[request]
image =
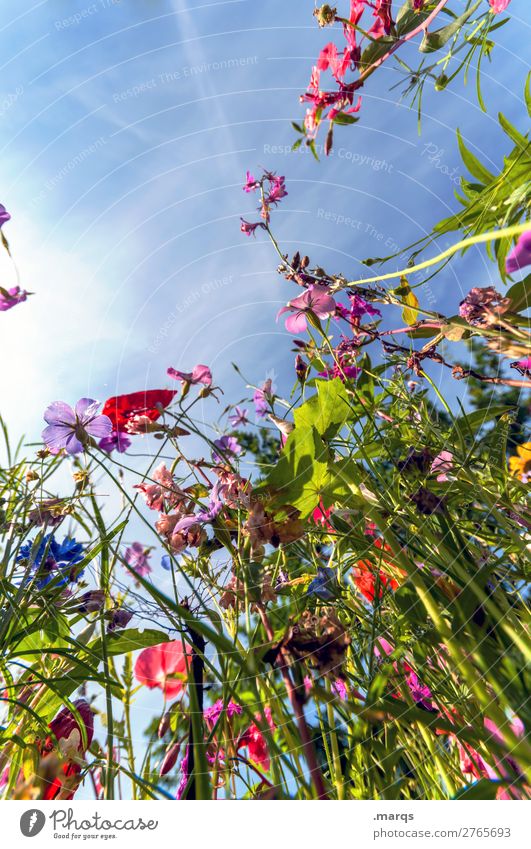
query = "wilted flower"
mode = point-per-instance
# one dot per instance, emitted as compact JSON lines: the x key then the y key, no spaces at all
{"x":70,"y":429}
{"x":163,"y":491}
{"x":483,"y":306}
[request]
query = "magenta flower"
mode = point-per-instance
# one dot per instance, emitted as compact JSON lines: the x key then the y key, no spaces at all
{"x":315,"y":299}
{"x":239,"y":417}
{"x":9,"y":298}
{"x":227,"y":444}
{"x":4,"y":215}
{"x":117,"y":441}
{"x":520,"y":256}
{"x":262,"y":397}
{"x":70,"y":429}
{"x":523,"y":366}
{"x":137,"y":557}
{"x":277,"y":190}
{"x":359,"y":306}
{"x":250,"y":183}
{"x":341,"y":371}
{"x":213,"y":713}
{"x":340,"y":689}
{"x":199,"y":374}
{"x":249,"y":227}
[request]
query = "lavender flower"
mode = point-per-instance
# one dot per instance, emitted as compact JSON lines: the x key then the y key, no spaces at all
{"x":70,"y":429}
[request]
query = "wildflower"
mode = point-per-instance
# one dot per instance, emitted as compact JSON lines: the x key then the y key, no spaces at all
{"x":277,"y":190}
{"x":483,"y":306}
{"x":4,"y":215}
{"x":301,"y":369}
{"x":178,"y":540}
{"x":53,"y":561}
{"x":117,"y":441}
{"x":262,"y":398}
{"x":151,"y":403}
{"x":321,"y":514}
{"x":338,"y":63}
{"x":315,"y":299}
{"x":185,"y":774}
{"x":342,"y":370}
{"x":359,"y":306}
{"x":498,"y":6}
{"x":9,"y":298}
{"x":228,"y":445}
{"x":163,"y":666}
{"x":250,"y":183}
{"x":325,"y":15}
{"x":340,"y":689}
{"x":239,"y":417}
{"x":70,"y":429}
{"x":118,"y":618}
{"x":137,"y":557}
{"x":249,"y":227}
{"x":520,"y":465}
{"x":201,"y":518}
{"x":366,"y":576}
{"x":427,"y":502}
{"x":523,"y":366}
{"x":322,"y":641}
{"x":213,"y":713}
{"x":325,"y":585}
{"x":199,"y":374}
{"x":61,"y":779}
{"x":442,"y":463}
{"x":255,"y":742}
{"x":163,"y":491}
{"x":90,"y":602}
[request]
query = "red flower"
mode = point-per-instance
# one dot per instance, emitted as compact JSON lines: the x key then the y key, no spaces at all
{"x":151,"y":402}
{"x":366,"y":573}
{"x":163,"y":666}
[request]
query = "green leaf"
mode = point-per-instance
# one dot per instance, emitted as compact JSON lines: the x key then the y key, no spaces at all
{"x":472,"y":163}
{"x":410,"y":313}
{"x":125,"y":641}
{"x":435,"y":40}
{"x":470,"y":424}
{"x":343,"y":118}
{"x":520,"y":294}
{"x":327,"y":410}
{"x":482,"y":789}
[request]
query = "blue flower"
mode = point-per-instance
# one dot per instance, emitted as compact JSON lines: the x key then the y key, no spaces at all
{"x":53,"y":561}
{"x":325,"y":585}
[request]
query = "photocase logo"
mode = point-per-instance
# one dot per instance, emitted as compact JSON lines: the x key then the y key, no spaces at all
{"x":32,"y":822}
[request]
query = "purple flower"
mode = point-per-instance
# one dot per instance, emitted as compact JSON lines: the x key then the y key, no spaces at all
{"x":239,"y":417}
{"x":117,"y":441}
{"x":119,"y":618}
{"x":4,"y":215}
{"x":9,"y":298}
{"x":227,"y":444}
{"x":249,"y":228}
{"x":201,"y":518}
{"x":137,"y":556}
{"x":340,"y":688}
{"x":520,"y":256}
{"x":213,"y":713}
{"x":262,"y":397}
{"x":70,"y":429}
{"x":199,"y":374}
{"x":421,"y":694}
{"x":341,"y":371}
{"x":315,"y":299}
{"x":165,"y":562}
{"x":277,"y":190}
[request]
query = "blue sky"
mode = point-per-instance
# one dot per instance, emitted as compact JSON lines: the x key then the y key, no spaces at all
{"x":127,"y":127}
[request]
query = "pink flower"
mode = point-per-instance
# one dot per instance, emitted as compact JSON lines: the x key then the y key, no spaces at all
{"x":315,"y":299}
{"x":239,"y":417}
{"x":163,"y":666}
{"x":137,"y":556}
{"x":249,"y":228}
{"x":4,"y":215}
{"x":9,"y":298}
{"x":277,"y":190}
{"x":337,"y":62}
{"x":498,"y":6}
{"x":199,"y":374}
{"x":520,"y":256}
{"x":442,"y":463}
{"x":523,"y":366}
{"x":213,"y":713}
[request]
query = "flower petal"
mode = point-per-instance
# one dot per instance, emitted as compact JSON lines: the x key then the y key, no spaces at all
{"x":58,"y":413}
